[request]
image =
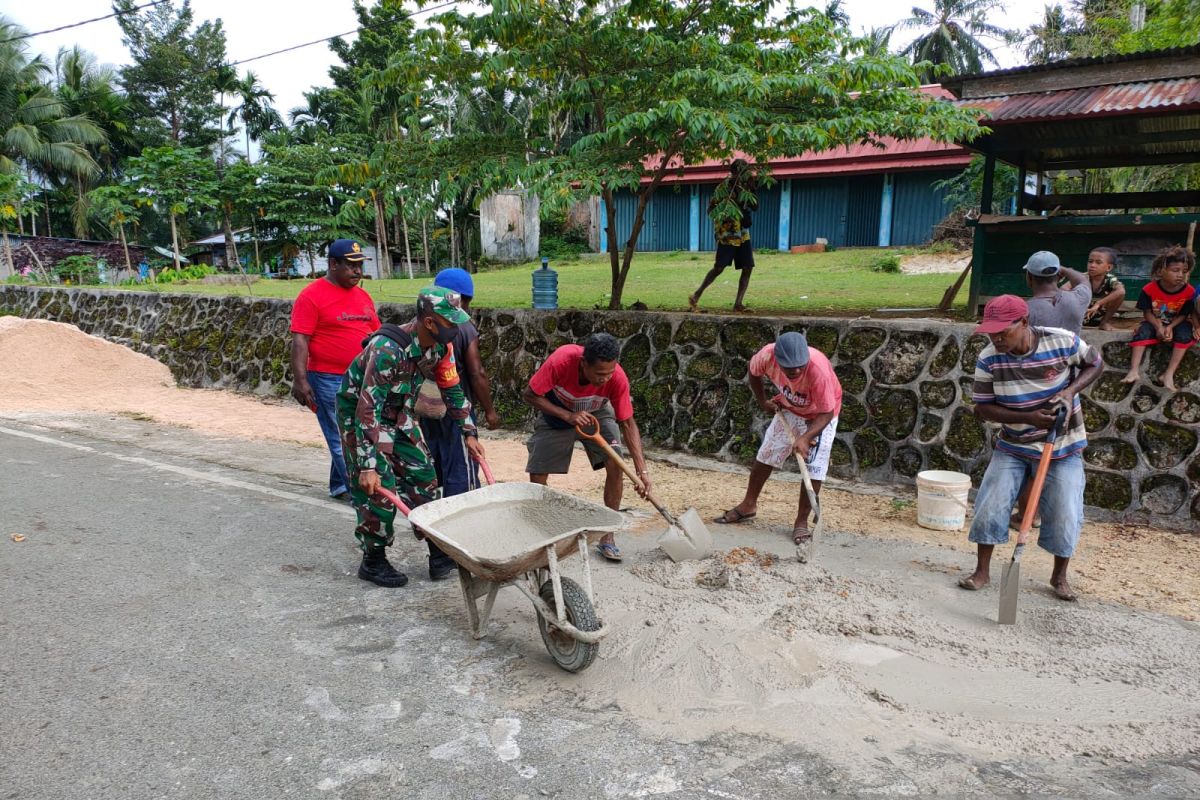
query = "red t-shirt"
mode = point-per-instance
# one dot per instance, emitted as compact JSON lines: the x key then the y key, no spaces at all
{"x":816,"y":391}
{"x":337,"y":320}
{"x":558,"y":381}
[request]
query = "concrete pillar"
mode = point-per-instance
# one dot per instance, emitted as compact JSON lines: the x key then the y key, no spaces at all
{"x":785,"y":215}
{"x":885,"y":212}
{"x":694,"y":219}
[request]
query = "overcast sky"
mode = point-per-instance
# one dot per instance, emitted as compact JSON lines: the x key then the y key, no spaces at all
{"x":254,"y":27}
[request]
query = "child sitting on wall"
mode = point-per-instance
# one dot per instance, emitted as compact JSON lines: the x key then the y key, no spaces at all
{"x":1107,"y":292}
{"x":1168,"y":305}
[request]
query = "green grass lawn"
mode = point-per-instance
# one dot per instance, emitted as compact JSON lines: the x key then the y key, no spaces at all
{"x":836,"y":283}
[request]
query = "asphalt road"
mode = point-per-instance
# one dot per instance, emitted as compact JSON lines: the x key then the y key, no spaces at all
{"x":182,"y":620}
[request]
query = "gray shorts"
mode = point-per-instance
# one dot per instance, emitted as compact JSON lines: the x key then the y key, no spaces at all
{"x":550,"y":448}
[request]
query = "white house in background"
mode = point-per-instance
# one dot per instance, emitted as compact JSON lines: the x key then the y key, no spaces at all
{"x":211,"y":250}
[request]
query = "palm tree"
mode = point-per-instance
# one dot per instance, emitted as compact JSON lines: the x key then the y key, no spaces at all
{"x":1051,"y":39}
{"x":320,"y":114}
{"x":37,"y":133}
{"x":878,"y":42}
{"x":951,"y":36}
{"x":255,"y":111}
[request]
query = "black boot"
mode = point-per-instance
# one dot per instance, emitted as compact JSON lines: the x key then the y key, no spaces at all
{"x":378,"y":570}
{"x":441,"y":566}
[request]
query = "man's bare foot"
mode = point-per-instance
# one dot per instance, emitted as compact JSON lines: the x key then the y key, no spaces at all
{"x":693,"y":302}
{"x":1169,"y":383}
{"x":974,"y":582}
{"x":1131,"y":377}
{"x":1063,"y":590}
{"x":1107,"y":326}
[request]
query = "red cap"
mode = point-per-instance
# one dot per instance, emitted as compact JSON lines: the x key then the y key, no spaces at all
{"x":1002,"y":311}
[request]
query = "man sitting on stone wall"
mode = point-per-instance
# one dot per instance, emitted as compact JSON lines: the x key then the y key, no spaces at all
{"x":1021,"y":378}
{"x":805,"y":420}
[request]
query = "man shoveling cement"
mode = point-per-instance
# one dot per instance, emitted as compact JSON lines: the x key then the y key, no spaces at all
{"x":805,"y":413}
{"x":1021,"y":377}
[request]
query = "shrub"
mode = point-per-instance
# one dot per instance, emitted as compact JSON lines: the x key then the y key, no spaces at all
{"x":888,"y":262}
{"x":77,"y":269}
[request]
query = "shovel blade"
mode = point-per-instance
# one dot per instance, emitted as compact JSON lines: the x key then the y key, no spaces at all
{"x":1010,"y":584}
{"x":691,"y":539}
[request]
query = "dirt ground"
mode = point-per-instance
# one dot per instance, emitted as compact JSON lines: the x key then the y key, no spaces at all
{"x":49,"y":366}
{"x":870,"y":643}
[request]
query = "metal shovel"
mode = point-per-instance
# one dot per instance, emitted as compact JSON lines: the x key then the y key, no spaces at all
{"x":1010,"y":580}
{"x":686,"y":536}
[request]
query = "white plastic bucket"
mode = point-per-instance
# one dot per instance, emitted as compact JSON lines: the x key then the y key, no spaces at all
{"x":942,"y":499}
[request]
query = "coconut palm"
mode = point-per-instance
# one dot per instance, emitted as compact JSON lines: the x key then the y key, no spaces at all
{"x":257,"y":115}
{"x":1051,"y":39}
{"x":37,"y":132}
{"x":952,"y":34}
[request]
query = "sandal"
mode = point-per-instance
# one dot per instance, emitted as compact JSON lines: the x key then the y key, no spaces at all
{"x":801,"y":536}
{"x":733,"y":517}
{"x":969,"y":584}
{"x":1014,"y":522}
{"x":609,"y":551}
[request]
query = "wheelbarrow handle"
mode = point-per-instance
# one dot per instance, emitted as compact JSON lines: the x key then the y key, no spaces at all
{"x":487,"y":470}
{"x":633,"y":476}
{"x":395,"y":500}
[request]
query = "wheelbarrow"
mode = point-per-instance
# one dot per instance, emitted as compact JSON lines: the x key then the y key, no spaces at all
{"x":515,"y":534}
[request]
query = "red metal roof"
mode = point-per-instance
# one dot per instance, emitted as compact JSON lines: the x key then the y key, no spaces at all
{"x":859,"y":159}
{"x":1182,"y":94}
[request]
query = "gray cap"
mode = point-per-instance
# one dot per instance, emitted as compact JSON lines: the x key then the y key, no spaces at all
{"x":1043,"y":264}
{"x":791,"y":350}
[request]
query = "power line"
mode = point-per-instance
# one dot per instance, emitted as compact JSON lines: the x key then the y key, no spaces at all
{"x":84,"y":22}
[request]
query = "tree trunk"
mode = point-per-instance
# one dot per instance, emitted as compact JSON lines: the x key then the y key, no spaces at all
{"x":407,"y":247}
{"x":639,"y":218}
{"x":453,"y":238}
{"x":49,"y":230}
{"x":614,"y":258}
{"x":254,"y":232}
{"x":230,"y":247}
{"x":10,"y":268}
{"x":174,"y":241}
{"x":125,"y":247}
{"x":381,"y":238}
{"x":425,"y":241}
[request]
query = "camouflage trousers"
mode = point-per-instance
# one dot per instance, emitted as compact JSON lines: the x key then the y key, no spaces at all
{"x":406,"y":469}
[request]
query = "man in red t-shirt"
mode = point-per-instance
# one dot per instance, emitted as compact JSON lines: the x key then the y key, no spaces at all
{"x":805,"y":419}
{"x":584,"y":387}
{"x":330,"y":319}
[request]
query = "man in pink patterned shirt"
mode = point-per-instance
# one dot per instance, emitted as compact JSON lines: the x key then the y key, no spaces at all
{"x":805,"y":409}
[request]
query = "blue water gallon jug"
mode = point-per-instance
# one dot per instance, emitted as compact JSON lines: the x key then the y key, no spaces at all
{"x":545,"y":286}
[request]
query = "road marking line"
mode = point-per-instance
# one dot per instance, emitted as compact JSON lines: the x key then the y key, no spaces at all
{"x":187,"y":472}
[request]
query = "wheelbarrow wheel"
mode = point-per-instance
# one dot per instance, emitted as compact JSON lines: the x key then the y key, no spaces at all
{"x":570,"y":654}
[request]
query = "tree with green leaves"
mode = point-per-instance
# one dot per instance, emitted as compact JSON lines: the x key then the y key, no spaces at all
{"x":1050,"y":39}
{"x":652,"y":85}
{"x":295,"y":210}
{"x":953,"y":36}
{"x":170,"y":83}
{"x":39,"y":136}
{"x":115,"y":206}
{"x":254,"y":110}
{"x":176,"y":180}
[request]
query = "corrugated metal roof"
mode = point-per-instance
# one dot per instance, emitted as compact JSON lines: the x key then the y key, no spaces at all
{"x":1181,"y":94}
{"x":1114,"y":58}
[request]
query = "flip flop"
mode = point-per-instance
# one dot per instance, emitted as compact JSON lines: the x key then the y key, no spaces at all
{"x":801,"y":536}
{"x":738,"y":516}
{"x":609,"y":551}
{"x":968,"y":584}
{"x":1014,"y":522}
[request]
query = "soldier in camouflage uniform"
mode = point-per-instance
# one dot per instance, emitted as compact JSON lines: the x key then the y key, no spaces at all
{"x":381,"y":437}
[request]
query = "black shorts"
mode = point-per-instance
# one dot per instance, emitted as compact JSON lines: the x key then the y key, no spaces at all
{"x":740,"y":255}
{"x":1145,"y":335}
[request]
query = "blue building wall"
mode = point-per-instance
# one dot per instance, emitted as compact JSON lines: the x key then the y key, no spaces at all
{"x":853,"y":211}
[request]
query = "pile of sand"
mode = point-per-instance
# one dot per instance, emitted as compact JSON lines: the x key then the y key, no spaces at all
{"x":49,"y":366}
{"x":928,"y":263}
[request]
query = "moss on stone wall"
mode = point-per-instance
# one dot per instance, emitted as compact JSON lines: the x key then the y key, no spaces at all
{"x":1165,"y":445}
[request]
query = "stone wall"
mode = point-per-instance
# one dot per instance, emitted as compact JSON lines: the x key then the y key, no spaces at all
{"x":904,"y":382}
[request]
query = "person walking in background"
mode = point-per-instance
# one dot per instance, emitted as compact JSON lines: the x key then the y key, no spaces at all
{"x":456,"y":472}
{"x":1167,"y":303}
{"x":330,"y":319}
{"x":805,"y":421}
{"x":1107,"y":291}
{"x":730,"y":209}
{"x":381,"y":438}
{"x":585,"y":387}
{"x":1051,"y":306}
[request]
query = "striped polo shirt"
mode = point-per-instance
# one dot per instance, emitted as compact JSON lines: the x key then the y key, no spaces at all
{"x":1026,"y":382}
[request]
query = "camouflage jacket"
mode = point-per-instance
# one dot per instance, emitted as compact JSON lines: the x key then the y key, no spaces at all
{"x":375,"y":402}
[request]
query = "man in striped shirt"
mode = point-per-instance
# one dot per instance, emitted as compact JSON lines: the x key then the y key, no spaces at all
{"x":1021,"y":379}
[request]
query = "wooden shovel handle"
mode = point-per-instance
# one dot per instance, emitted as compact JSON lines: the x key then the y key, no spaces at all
{"x":633,"y":476}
